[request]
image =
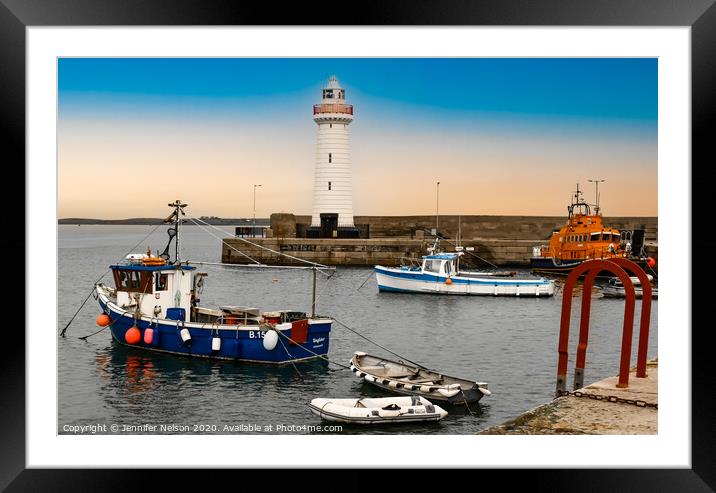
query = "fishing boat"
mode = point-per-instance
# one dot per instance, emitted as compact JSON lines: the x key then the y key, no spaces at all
{"x":404,"y":378}
{"x":377,"y":411}
{"x":615,"y":289}
{"x":154,"y":306}
{"x":439,"y":273}
{"x":584,"y":237}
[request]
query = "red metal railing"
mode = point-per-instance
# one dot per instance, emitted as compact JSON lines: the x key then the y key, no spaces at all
{"x":618,"y":267}
{"x":333,"y":108}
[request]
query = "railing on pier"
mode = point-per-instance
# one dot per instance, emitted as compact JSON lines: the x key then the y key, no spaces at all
{"x":621,"y":268}
{"x":333,"y":108}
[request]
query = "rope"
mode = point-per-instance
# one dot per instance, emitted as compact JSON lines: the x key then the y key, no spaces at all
{"x":261,"y":266}
{"x":366,"y":280}
{"x":222,"y":241}
{"x":382,"y":347}
{"x":281,"y":334}
{"x":62,"y":334}
{"x":289,"y":357}
{"x":264,"y":248}
{"x":476,"y":256}
{"x":464,"y":399}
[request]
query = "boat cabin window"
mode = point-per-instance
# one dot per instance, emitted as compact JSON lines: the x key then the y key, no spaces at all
{"x":447,"y":268}
{"x":432,"y":266}
{"x":132,"y":280}
{"x":160,"y":281}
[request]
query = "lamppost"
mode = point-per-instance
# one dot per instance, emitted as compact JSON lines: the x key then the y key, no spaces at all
{"x":596,"y":193}
{"x":437,"y":208}
{"x":255,"y":208}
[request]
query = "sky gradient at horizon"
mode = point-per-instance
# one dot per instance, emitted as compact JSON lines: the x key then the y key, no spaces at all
{"x":503,"y":136}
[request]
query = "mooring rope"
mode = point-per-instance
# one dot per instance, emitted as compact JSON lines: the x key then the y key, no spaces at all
{"x":62,"y":334}
{"x":382,"y":347}
{"x":281,"y":334}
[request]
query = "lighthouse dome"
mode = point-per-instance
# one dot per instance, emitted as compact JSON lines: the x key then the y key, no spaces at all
{"x":333,"y":90}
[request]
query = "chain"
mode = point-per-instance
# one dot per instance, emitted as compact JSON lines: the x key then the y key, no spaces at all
{"x":607,"y":398}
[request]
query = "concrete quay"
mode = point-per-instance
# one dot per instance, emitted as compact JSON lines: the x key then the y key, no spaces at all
{"x":572,"y":415}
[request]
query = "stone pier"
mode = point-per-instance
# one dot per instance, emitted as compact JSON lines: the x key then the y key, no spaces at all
{"x":614,"y":411}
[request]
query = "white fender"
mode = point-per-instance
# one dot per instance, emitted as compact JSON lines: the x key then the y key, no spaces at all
{"x":185,"y":335}
{"x":448,"y":393}
{"x":484,"y":391}
{"x":392,"y":384}
{"x":369,"y":378}
{"x":270,"y":340}
{"x":424,"y":388}
{"x":215,"y":343}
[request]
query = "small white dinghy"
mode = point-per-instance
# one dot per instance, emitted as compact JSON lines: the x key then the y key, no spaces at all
{"x":377,"y":411}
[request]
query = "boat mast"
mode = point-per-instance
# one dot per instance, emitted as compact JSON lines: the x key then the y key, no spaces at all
{"x":178,"y":212}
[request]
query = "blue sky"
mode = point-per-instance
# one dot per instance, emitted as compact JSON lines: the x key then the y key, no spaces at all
{"x":592,"y":111}
{"x":591,"y":88}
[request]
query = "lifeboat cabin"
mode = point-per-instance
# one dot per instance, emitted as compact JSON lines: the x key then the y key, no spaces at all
{"x":585,"y":237}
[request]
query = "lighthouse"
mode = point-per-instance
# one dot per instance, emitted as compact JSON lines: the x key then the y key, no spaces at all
{"x":332,"y":186}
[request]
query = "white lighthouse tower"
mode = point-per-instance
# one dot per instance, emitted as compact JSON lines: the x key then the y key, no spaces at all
{"x":332,"y":187}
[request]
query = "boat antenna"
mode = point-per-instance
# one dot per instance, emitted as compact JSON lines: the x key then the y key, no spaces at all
{"x":596,"y":193}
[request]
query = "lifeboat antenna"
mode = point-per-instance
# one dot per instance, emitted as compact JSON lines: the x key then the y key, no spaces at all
{"x":596,"y":193}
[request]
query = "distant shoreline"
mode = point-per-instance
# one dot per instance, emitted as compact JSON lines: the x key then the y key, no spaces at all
{"x":150,"y":221}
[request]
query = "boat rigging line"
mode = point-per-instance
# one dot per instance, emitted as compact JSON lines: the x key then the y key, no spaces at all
{"x":262,"y":266}
{"x":476,"y":256}
{"x":261,"y":246}
{"x":218,"y":238}
{"x":62,"y":334}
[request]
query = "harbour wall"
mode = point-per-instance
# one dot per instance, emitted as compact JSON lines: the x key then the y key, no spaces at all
{"x":500,"y":240}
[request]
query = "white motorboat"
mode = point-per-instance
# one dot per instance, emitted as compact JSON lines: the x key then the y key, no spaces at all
{"x":439,"y":273}
{"x":377,"y":411}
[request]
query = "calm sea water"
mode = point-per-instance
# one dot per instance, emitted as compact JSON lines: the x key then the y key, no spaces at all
{"x":510,"y":343}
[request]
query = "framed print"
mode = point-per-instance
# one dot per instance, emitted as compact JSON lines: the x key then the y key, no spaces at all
{"x":429,"y":129}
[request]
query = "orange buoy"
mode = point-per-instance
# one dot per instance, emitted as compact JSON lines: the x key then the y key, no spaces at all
{"x":148,"y":335}
{"x":650,"y":262}
{"x":103,"y":320}
{"x":448,"y":281}
{"x":132,"y":336}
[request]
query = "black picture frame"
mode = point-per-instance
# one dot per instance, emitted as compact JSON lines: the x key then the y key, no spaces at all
{"x":16,"y":15}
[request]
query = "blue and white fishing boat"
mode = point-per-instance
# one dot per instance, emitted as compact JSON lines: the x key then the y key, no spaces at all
{"x":154,"y":305}
{"x":439,"y":274}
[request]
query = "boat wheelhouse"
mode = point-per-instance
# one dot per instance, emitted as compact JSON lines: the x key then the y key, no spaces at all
{"x":439,"y":274}
{"x":585,"y":237}
{"x":154,"y":305}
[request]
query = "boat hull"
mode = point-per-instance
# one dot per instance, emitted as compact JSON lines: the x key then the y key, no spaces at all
{"x":547,"y":265}
{"x":408,"y":281}
{"x":238,"y":343}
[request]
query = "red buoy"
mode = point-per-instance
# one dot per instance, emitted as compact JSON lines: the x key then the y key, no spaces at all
{"x":650,"y":262}
{"x":103,"y":320}
{"x":132,"y":336}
